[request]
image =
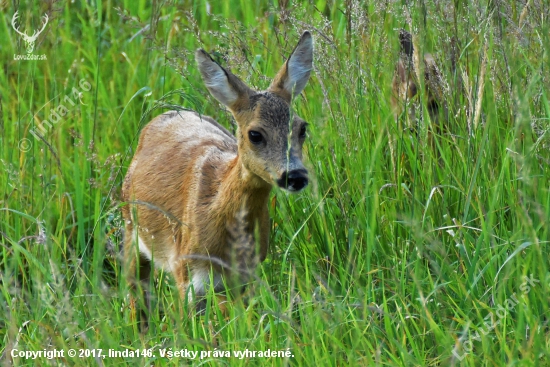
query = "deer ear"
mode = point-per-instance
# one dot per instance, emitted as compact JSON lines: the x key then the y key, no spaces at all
{"x":291,"y":80}
{"x":406,"y":42}
{"x":222,"y":84}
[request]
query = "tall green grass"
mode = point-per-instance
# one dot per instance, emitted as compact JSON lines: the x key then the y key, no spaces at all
{"x":400,"y":253}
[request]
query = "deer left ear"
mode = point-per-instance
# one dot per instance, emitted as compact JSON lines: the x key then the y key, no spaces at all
{"x":222,"y":84}
{"x":294,"y":75}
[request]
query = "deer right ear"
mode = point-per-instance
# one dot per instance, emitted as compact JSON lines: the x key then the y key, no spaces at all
{"x":223,"y":85}
{"x":294,"y":75}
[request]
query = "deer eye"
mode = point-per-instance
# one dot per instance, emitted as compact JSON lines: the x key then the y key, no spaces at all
{"x":303,"y":131}
{"x":255,"y":137}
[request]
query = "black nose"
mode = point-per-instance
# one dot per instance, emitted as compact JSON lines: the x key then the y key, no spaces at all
{"x":294,"y":180}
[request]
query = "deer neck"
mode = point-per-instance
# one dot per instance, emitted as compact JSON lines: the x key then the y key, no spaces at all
{"x":241,"y":189}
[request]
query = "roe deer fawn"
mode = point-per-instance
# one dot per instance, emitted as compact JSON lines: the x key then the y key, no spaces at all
{"x":191,"y":180}
{"x":406,"y":83}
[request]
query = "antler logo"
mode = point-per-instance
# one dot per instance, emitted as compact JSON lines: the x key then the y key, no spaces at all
{"x":29,"y":40}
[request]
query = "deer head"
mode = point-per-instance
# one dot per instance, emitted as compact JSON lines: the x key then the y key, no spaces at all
{"x":29,"y":40}
{"x":270,"y":136}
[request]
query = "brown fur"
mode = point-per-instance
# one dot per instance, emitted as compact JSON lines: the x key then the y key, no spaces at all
{"x":191,"y":183}
{"x":406,"y":83}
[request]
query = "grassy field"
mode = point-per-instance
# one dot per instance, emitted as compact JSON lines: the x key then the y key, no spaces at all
{"x":407,"y":248}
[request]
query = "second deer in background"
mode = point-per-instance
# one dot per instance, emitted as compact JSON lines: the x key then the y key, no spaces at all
{"x":409,"y":72}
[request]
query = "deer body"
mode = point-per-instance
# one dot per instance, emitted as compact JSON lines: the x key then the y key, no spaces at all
{"x":191,"y":178}
{"x":203,"y":189}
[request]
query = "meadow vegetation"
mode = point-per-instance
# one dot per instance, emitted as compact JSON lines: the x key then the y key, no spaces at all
{"x":411,"y":246}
